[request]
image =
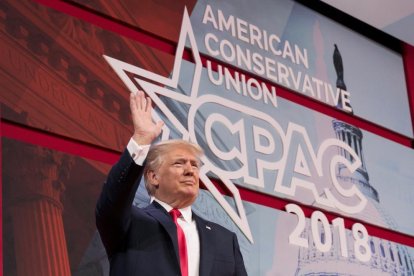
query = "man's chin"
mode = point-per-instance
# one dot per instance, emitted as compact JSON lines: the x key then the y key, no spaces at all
{"x":191,"y":195}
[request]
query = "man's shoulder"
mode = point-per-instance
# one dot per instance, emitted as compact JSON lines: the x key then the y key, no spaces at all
{"x":147,"y":214}
{"x":149,"y":208}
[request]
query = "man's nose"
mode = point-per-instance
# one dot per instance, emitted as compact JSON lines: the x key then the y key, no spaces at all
{"x":189,"y":169}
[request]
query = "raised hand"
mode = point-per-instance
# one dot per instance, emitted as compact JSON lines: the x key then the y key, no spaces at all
{"x":145,"y":129}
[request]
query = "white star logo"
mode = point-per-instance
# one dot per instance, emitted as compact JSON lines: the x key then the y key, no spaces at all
{"x":153,"y":91}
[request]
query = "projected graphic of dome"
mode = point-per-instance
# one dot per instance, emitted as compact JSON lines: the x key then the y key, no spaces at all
{"x":386,"y":258}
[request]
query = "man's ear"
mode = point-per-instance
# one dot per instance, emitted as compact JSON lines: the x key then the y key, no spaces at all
{"x":153,"y":178}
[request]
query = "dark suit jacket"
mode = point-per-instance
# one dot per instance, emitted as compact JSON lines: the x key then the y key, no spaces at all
{"x":144,"y":241}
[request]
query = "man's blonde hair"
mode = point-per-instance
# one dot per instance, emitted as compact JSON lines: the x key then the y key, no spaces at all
{"x":157,"y":153}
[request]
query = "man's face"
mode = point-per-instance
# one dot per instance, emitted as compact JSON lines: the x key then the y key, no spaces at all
{"x":177,"y":178}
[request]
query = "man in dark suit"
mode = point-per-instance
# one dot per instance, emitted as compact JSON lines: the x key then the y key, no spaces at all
{"x":165,"y":238}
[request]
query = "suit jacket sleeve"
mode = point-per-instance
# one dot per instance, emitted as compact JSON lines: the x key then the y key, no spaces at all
{"x":114,"y":205}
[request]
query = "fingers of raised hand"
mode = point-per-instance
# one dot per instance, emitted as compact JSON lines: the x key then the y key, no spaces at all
{"x":140,"y":103}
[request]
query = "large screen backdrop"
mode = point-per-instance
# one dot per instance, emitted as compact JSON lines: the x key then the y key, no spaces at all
{"x":305,"y":124}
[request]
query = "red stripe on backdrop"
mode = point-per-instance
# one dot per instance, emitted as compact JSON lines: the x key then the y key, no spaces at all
{"x":56,"y":142}
{"x":408,"y":53}
{"x":1,"y":201}
{"x":311,"y":103}
{"x":156,"y":42}
{"x":70,"y":146}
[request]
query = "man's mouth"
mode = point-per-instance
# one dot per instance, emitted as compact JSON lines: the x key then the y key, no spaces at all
{"x":188,"y":182}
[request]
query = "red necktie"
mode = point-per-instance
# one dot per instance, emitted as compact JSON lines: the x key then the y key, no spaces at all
{"x":182,"y":246}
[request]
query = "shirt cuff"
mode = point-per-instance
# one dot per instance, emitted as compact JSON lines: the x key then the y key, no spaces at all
{"x":137,"y":152}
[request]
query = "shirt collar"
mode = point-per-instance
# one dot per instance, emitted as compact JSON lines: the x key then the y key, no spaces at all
{"x":186,"y":211}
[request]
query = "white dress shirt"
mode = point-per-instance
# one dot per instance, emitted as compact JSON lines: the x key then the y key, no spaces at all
{"x":186,"y":221}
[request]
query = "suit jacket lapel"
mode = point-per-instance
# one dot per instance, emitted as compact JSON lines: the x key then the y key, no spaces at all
{"x":161,"y":215}
{"x":206,"y":246}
